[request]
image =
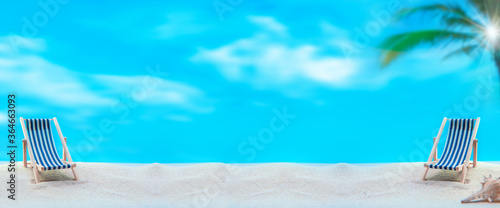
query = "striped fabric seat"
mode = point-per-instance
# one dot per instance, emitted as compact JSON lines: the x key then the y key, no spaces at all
{"x":457,"y":144}
{"x":42,"y":144}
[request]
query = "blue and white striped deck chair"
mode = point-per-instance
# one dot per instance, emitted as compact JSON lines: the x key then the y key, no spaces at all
{"x":41,"y":147}
{"x":460,"y":143}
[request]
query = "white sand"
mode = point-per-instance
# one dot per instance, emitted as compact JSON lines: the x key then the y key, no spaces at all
{"x":265,"y":185}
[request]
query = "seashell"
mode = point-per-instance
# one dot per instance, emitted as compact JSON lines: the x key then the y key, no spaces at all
{"x":490,"y":191}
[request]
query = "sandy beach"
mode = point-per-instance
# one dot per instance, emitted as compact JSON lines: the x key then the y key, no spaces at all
{"x":258,"y":185}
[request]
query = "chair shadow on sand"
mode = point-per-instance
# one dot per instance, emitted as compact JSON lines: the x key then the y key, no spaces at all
{"x":447,"y":175}
{"x":55,"y":176}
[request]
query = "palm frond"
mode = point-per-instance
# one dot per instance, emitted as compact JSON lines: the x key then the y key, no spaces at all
{"x":451,"y":15}
{"x":490,"y":8}
{"x":457,"y":22}
{"x":470,"y":50}
{"x":440,"y":8}
{"x":395,"y":45}
{"x":388,"y":57}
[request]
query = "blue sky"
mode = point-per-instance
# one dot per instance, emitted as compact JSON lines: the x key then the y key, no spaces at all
{"x":178,"y":83}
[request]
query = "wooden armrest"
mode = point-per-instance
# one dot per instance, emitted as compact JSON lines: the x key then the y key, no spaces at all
{"x":430,"y":163}
{"x":70,"y":163}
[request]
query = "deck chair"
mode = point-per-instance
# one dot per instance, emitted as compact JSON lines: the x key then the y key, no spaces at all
{"x":460,"y":143}
{"x":39,"y":142}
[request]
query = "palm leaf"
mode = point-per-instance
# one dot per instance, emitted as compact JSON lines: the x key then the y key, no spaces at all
{"x":457,"y":22}
{"x":389,"y":56}
{"x":467,"y":50}
{"x":440,"y":8}
{"x":490,"y":8}
{"x":451,"y":15}
{"x":397,"y":44}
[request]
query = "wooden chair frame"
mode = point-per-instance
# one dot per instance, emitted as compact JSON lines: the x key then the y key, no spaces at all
{"x":36,"y":167}
{"x":463,"y":167}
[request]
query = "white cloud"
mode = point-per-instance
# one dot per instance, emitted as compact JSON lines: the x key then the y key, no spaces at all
{"x":266,"y":62}
{"x":268,"y":23}
{"x":179,"y":24}
{"x":35,"y":77}
{"x":157,"y":91}
{"x":3,"y":118}
{"x":38,"y":80}
{"x":272,"y":59}
{"x":11,"y":44}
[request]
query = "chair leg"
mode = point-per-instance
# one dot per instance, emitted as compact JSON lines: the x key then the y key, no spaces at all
{"x":35,"y":172}
{"x":64,"y":153}
{"x":74,"y":173}
{"x":425,"y":173}
{"x":474,"y":162}
{"x":435,"y":155}
{"x":464,"y":173}
{"x":25,"y":159}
